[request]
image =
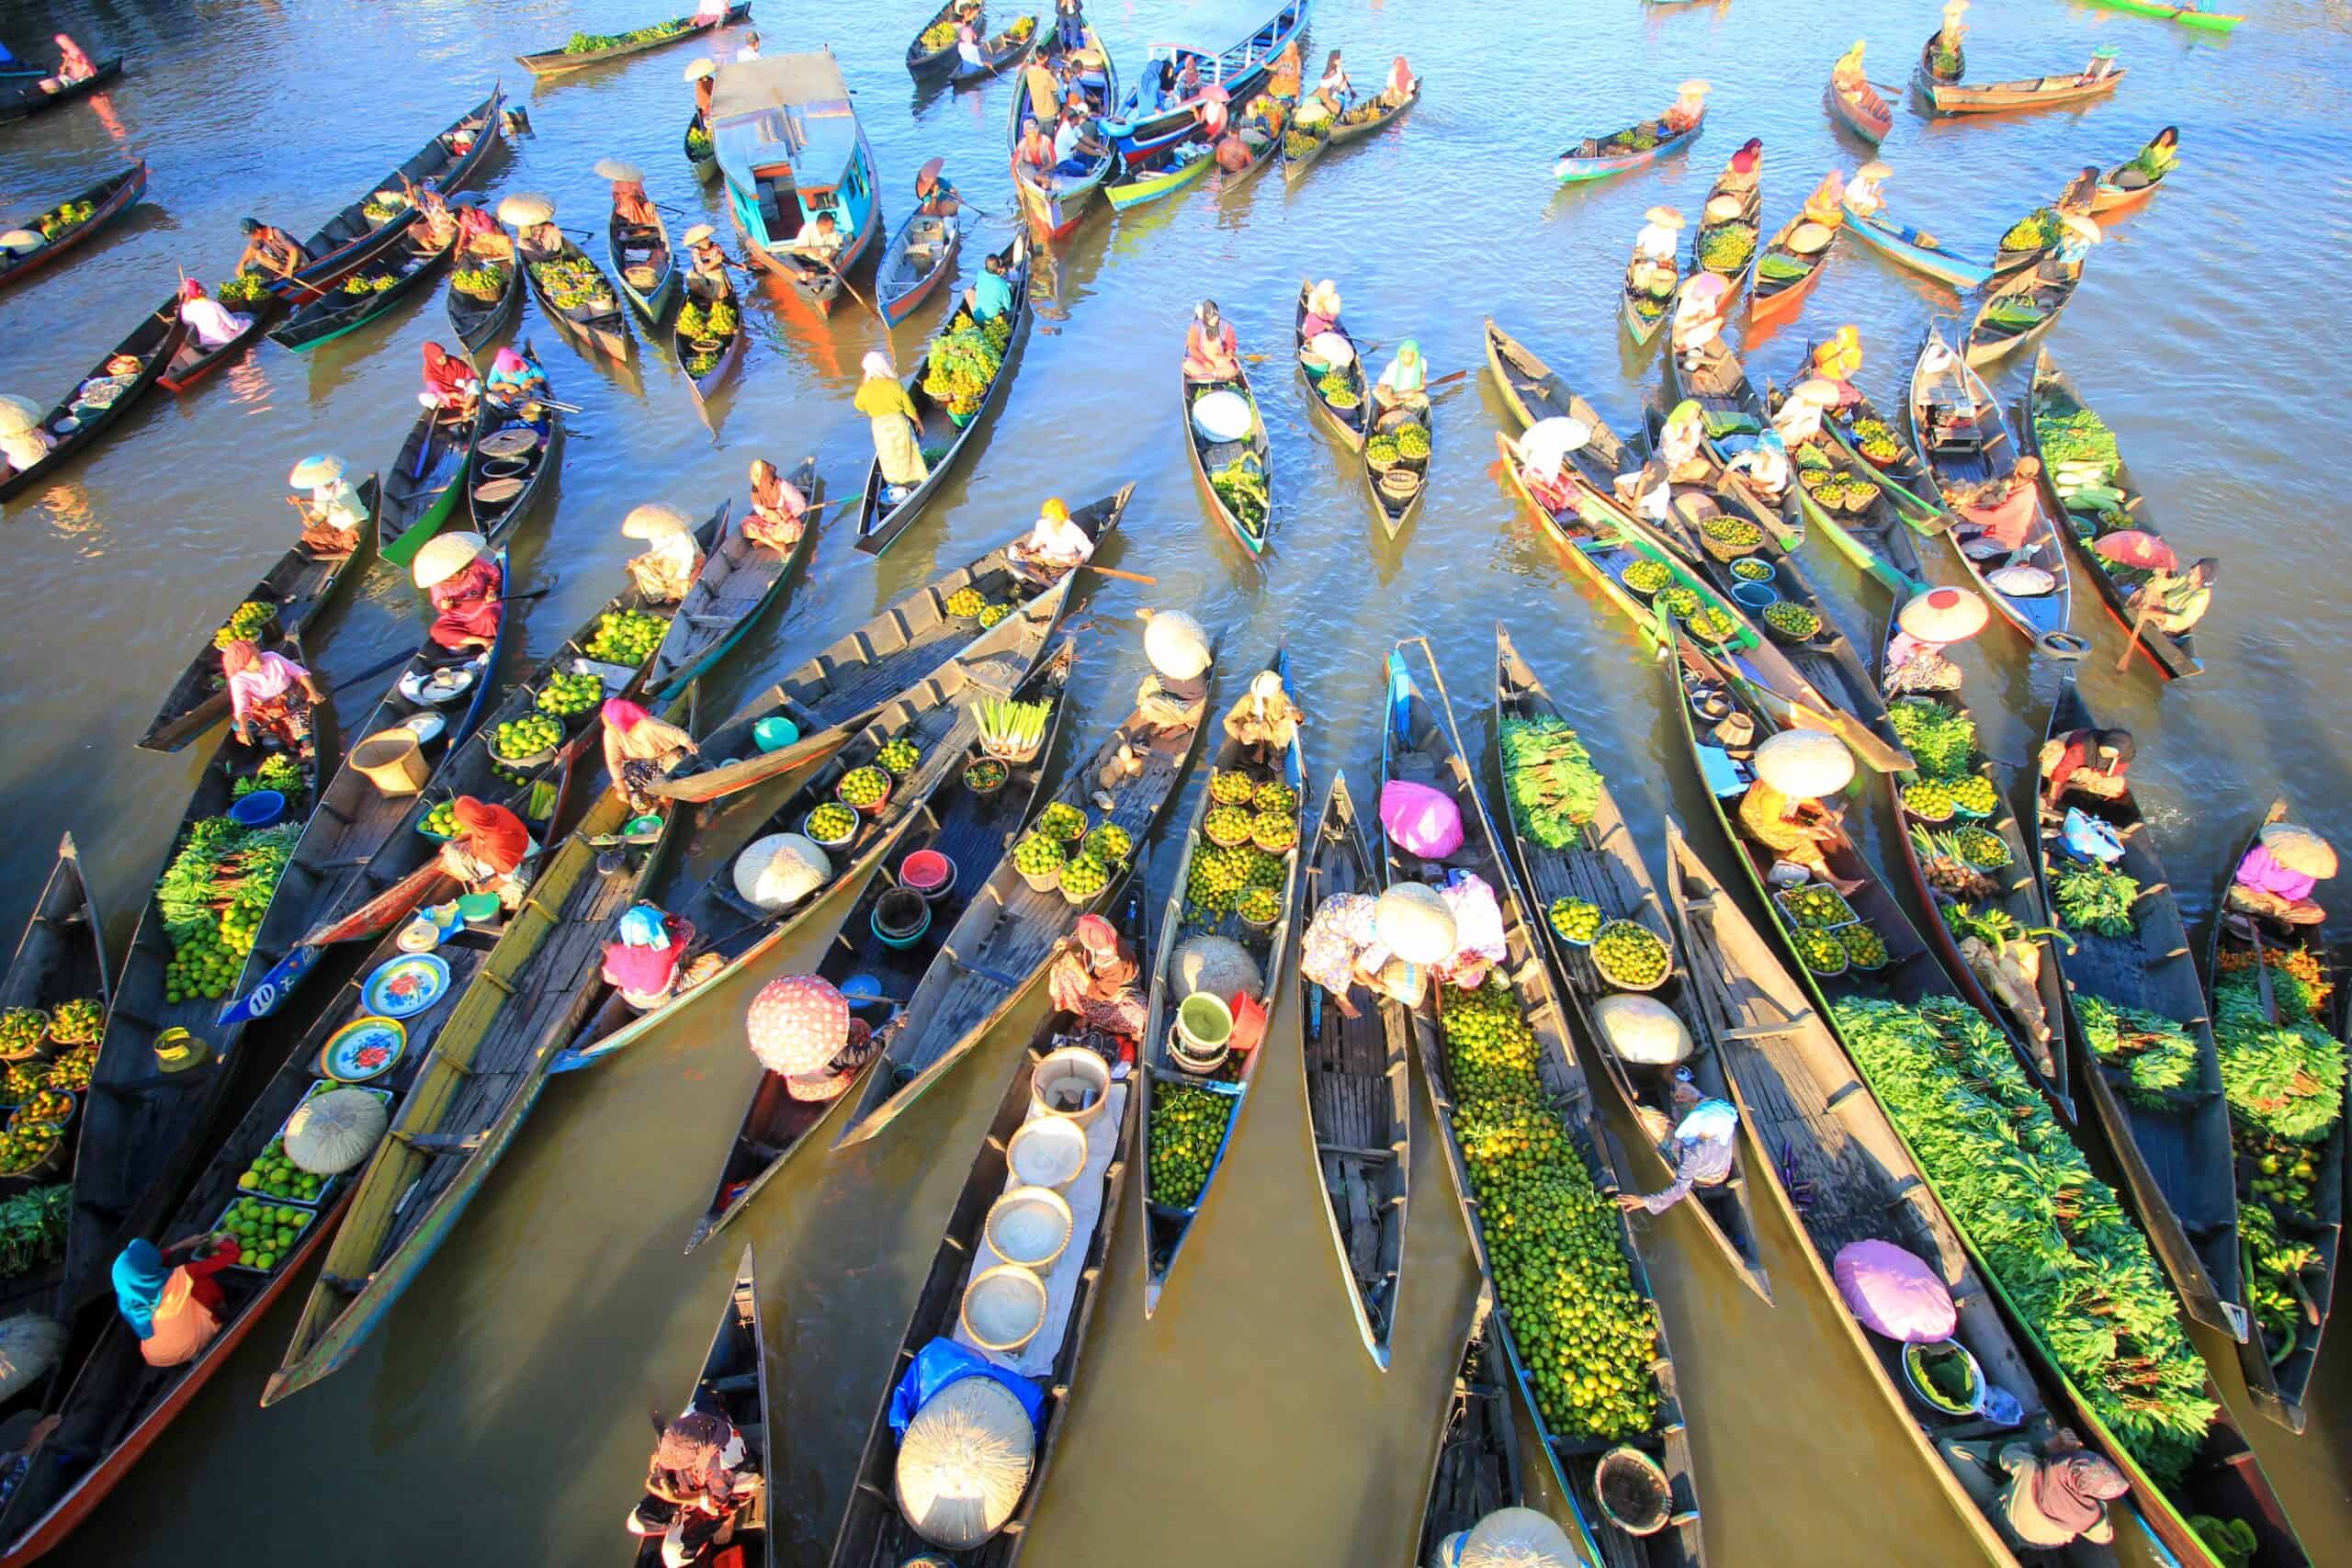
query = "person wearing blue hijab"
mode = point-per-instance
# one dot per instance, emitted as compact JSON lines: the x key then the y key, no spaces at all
{"x":140,"y":1275}
{"x":175,"y":1311}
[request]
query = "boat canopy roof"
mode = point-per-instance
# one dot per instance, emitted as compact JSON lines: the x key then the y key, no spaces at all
{"x":788,"y":110}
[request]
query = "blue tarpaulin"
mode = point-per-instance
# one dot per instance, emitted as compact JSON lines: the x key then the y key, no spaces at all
{"x":942,"y":1361}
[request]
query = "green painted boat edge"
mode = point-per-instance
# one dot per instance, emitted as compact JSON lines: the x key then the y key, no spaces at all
{"x":402,"y":551}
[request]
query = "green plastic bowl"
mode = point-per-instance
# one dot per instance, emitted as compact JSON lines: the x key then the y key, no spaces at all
{"x":479,"y":908}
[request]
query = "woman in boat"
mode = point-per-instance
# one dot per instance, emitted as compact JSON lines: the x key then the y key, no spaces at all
{"x":700,"y":1477}
{"x":645,"y":960}
{"x":211,"y":324}
{"x":1699,"y":315}
{"x":1035,"y":152}
{"x":990,"y":295}
{"x":270,"y":692}
{"x":1798,"y":419}
{"x":1174,"y":693}
{"x":891,"y":415}
{"x":174,"y":1309}
{"x":1402,"y":83}
{"x":73,"y":65}
{"x":270,"y":250}
{"x":491,"y":852}
{"x":1679,"y":443}
{"x":670,"y":566}
{"x":967,"y":46}
{"x":2002,"y":511}
{"x":2154,"y":163}
{"x":705,"y":76}
{"x":1699,"y":1148}
{"x":1212,"y":353}
{"x":450,"y":384}
{"x":1926,"y":624}
{"x":1838,"y":359}
{"x":2102,"y":64}
{"x":1862,"y":199}
{"x":461,"y":580}
{"x":936,"y":197}
{"x":1690,"y":106}
{"x":1851,"y":80}
{"x":641,"y":750}
{"x":1093,"y":976}
{"x":1053,"y":548}
{"x":2080,"y":192}
{"x":1827,"y":205}
{"x":778,"y":510}
{"x":632,"y":206}
{"x":1948,"y":35}
{"x":2276,"y":878}
{"x":800,"y":1029}
{"x":514,"y":378}
{"x":1400,"y":385}
{"x":333,"y":516}
{"x":1265,"y":719}
{"x":2093,"y":762}
{"x":709,"y":13}
{"x":1784,"y":809}
{"x":707,"y":264}
{"x":1342,"y":950}
{"x":1747,"y":167}
{"x":2040,"y":1501}
{"x":1543,"y":452}
{"x":1187,"y":84}
{"x":2174,"y":601}
{"x":479,"y":235}
{"x":1322,"y":312}
{"x":1764,"y":466}
{"x":1653,"y":272}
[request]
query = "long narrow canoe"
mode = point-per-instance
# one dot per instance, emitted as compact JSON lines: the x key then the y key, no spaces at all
{"x":30,"y":97}
{"x":448,"y":162}
{"x":1785,"y":274}
{"x":557,"y":62}
{"x":191,"y":363}
{"x":739,"y":580}
{"x":707,"y":366}
{"x":108,"y":199}
{"x":1860,"y":110}
{"x":426,"y":483}
{"x":1421,"y":742}
{"x":1055,"y":206}
{"x":735,"y":1373}
{"x":933,"y":65}
{"x":913,"y":262}
{"x":2020,"y":310}
{"x":1373,"y":114}
{"x":74,"y":426}
{"x":368,"y":293}
{"x":1152,"y":116}
{"x":1169,"y":1215}
{"x":1917,"y":249}
{"x":1736,"y":417}
{"x":1250,"y":454}
{"x":1743,"y":216}
{"x":1476,"y":1469}
{"x":1358,"y":1091}
{"x":598,"y":325}
{"x":1605,"y":157}
{"x":499,"y":501}
{"x":645,"y":265}
{"x":1950,"y":97}
{"x":1603,"y":867}
{"x":298,"y":588}
{"x":479,"y":323}
{"x":2195,"y":16}
{"x":1642,"y":310}
{"x":999,"y":53}
{"x":1345,"y":421}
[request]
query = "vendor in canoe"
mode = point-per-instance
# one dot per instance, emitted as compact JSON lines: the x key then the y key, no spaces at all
{"x":1174,"y":695}
{"x":641,"y":750}
{"x":1284,"y":72}
{"x":706,"y":264}
{"x":778,"y":510}
{"x":2040,"y":1500}
{"x":1543,"y":452}
{"x":1784,"y":809}
{"x":1322,"y":312}
{"x":270,"y":250}
{"x":934,"y":196}
{"x":490,"y":853}
{"x":1926,"y":624}
{"x":1212,"y":353}
{"x":1838,"y":359}
{"x":891,"y":415}
{"x":668,"y":566}
{"x":1399,"y":388}
{"x":479,"y":235}
{"x":1265,"y":719}
{"x":1679,"y":443}
{"x":2153,"y":161}
{"x":450,"y":384}
{"x":2080,"y":192}
{"x":270,"y":693}
{"x":1652,"y":272}
{"x":1093,"y":976}
{"x":2276,"y":878}
{"x":513,"y":380}
{"x":800,"y":1029}
{"x":1744,"y":169}
{"x":1798,"y":419}
{"x":2000,"y":513}
{"x":704,"y":74}
{"x":1698,"y":1144}
{"x":1827,"y":205}
{"x":2093,"y":762}
{"x":1343,"y":949}
{"x":210,"y":324}
{"x":1863,"y":197}
{"x":2174,"y":601}
{"x":1689,"y":107}
{"x":23,"y":441}
{"x":1401,"y":85}
{"x":1699,"y":316}
{"x":645,"y":960}
{"x":175,"y":1310}
{"x":72,"y":64}
{"x":990,"y":295}
{"x":1949,"y":33}
{"x":1848,"y":77}
{"x":460,"y":577}
{"x":1053,"y":548}
{"x":333,"y":515}
{"x":630,"y":204}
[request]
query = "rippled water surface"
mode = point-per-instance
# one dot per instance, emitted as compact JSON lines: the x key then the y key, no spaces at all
{"x":500,"y":1412}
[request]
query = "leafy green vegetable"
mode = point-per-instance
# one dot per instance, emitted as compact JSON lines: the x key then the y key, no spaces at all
{"x":1941,"y":740}
{"x":2288,"y":1079}
{"x":2155,"y":1053}
{"x":1554,"y":787}
{"x":2096,"y":899}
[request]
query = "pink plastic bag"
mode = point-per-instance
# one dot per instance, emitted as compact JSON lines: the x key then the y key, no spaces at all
{"x":1893,"y":1292}
{"x":1421,"y":820}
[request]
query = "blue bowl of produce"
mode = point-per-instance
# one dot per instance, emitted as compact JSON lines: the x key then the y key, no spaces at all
{"x":775,"y":733}
{"x":1753,"y":596}
{"x":258,"y":809}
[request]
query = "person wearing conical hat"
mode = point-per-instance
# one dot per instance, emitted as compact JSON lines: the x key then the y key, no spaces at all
{"x":23,"y":441}
{"x":632,"y":206}
{"x":1265,"y":719}
{"x":1699,"y":316}
{"x":2275,"y":879}
{"x":1784,"y":809}
{"x":1679,"y":441}
{"x":1690,"y":106}
{"x":1827,"y":205}
{"x":701,"y":1475}
{"x":479,"y":235}
{"x":1660,"y":237}
{"x":707,"y":275}
{"x":1323,"y":306}
{"x":333,"y":515}
{"x":1093,"y":976}
{"x":668,"y":567}
{"x":1862,"y":199}
{"x":891,"y":415}
{"x":461,"y":579}
{"x":1847,"y":73}
{"x":1926,"y":625}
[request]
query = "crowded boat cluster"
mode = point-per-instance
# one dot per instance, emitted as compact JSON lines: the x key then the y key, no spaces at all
{"x":522,"y":872}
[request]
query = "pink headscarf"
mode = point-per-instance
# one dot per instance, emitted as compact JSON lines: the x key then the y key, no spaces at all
{"x":622,"y":714}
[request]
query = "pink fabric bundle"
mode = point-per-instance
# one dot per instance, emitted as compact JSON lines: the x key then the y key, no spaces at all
{"x":1893,"y":1292}
{"x":1421,"y":820}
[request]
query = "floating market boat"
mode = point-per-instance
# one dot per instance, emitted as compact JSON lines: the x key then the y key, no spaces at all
{"x":1736,"y":419}
{"x":1860,"y":110}
{"x":1160,"y":173}
{"x":2021,"y":310}
{"x":573,"y":293}
{"x":1339,"y":396}
{"x":1394,"y":476}
{"x":1233,"y":451}
{"x":2190,"y":15}
{"x":705,"y":353}
{"x":447,"y":164}
{"x":1594,"y":862}
{"x":99,"y":400}
{"x":701,"y":155}
{"x":426,"y":483}
{"x":1373,"y":114}
{"x":1152,"y":117}
{"x":1915,"y":248}
{"x":999,"y":53}
{"x":73,"y":222}
{"x":512,"y":456}
{"x":1643,"y":308}
{"x":922,"y":252}
{"x":1621,"y":151}
{"x":1055,"y":206}
{"x":776,"y":189}
{"x":1949,"y":98}
{"x":479,"y":321}
{"x":645,"y":265}
{"x":16,"y":101}
{"x":191,"y":362}
{"x":1788,"y":268}
{"x":1477,"y":1469}
{"x":607,"y":46}
{"x":1734,"y":207}
{"x":2112,"y":195}
{"x":927,"y":64}
{"x":735,"y":1374}
{"x":739,"y":580}
{"x":366,"y":293}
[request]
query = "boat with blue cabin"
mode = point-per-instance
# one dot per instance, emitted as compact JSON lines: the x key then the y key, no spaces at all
{"x":791,"y":151}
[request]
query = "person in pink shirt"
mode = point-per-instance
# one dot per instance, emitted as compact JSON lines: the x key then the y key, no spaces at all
{"x":2004,"y":510}
{"x":2278,"y":874}
{"x":262,"y":688}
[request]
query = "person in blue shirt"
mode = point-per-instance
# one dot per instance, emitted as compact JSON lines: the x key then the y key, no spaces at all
{"x":990,"y":295}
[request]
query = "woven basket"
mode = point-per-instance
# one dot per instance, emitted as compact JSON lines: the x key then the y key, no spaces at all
{"x":1400,"y":483}
{"x":1726,"y":552}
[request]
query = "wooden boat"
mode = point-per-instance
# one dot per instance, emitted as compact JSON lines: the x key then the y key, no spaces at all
{"x":1593,"y":159}
{"x":108,"y":200}
{"x":353,"y":234}
{"x":2022,"y":310}
{"x":920,"y":253}
{"x":874,"y":1532}
{"x":2051,"y":398}
{"x":1005,"y":937}
{"x":2278,"y":1369}
{"x":830,"y":696}
{"x":530,"y":991}
{"x":1605,"y":868}
{"x":701,"y":157}
{"x":776,"y":187}
{"x":1917,"y":249}
{"x":74,"y":426}
{"x":933,"y":65}
{"x":1345,"y":422}
{"x":1861,"y":110}
{"x":644,"y":250}
{"x":2111,"y":196}
{"x":1477,"y":1469}
{"x":1644,"y":310}
{"x":1145,"y":124}
{"x":597,"y":326}
{"x":479,"y":322}
{"x":1785,"y":274}
{"x":1843,"y":1176}
{"x":2173,"y":1146}
{"x":191,"y":362}
{"x":1317,"y":141}
{"x":386,"y":278}
{"x":707,"y":367}
{"x":1421,"y":742}
{"x":1392,"y":503}
{"x":297,"y":587}
{"x":1164,"y":173}
{"x":882,"y":517}
{"x":1274,"y":131}
{"x":740,"y":580}
{"x":1748,"y":220}
{"x":1055,"y":208}
{"x":1926,"y":77}
{"x":1732,"y":409}
{"x":1966,"y":443}
{"x":427,"y":482}
{"x":998,"y":54}
{"x":500,"y":500}
{"x":735,"y":1377}
{"x":1167,"y":1216}
{"x":1347,"y":128}
{"x":2224,"y":1479}
{"x":1906,"y":493}
{"x":2191,"y":16}
{"x":31,"y":98}
{"x":2028,"y":93}
{"x":1250,"y":455}
{"x":557,"y":62}
{"x":1534,"y":392}
{"x":1359,"y":1093}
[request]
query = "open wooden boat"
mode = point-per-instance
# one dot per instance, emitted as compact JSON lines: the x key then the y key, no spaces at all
{"x":1603,"y":867}
{"x":447,"y":164}
{"x":2027,"y":93}
{"x":1350,"y":127}
{"x":596,"y":325}
{"x":2086,"y":511}
{"x":1346,"y":421}
{"x":885,"y":514}
{"x":1861,"y":530}
{"x":2278,"y":1363}
{"x":914,"y":260}
{"x":1250,"y":455}
{"x":500,"y":500}
{"x":74,"y":426}
{"x":1604,"y":157}
{"x":1054,"y":208}
{"x":1153,"y":117}
{"x":191,"y":362}
{"x":734,"y":1379}
{"x":1311,"y":141}
{"x":479,"y":323}
{"x":2112,"y":195}
{"x":829,"y":696}
{"x":644,"y":250}
{"x":1272,"y":131}
{"x":1169,"y":1214}
{"x":1359,"y":1090}
{"x":2173,"y":1143}
{"x":1159,"y":174}
{"x":1877,"y":448}
{"x":1477,"y":1469}
{"x":2021,"y":310}
{"x":366,"y":293}
{"x":874,"y":1532}
{"x":1965,"y":442}
{"x":29,"y":97}
{"x":740,"y":580}
{"x":1735,"y":417}
{"x":1915,"y":248}
{"x":1399,"y":489}
{"x":1644,"y":310}
{"x":701,"y":157}
{"x":1842,"y":1177}
{"x":426,"y":483}
{"x":557,"y":62}
{"x":1786,"y":274}
{"x":1421,"y":742}
{"x":2189,"y":16}
{"x":1537,"y":393}
{"x":999,"y":53}
{"x":1927,"y":76}
{"x":706,"y":367}
{"x":1860,"y":110}
{"x":934,"y":65}
{"x":108,"y":200}
{"x":533,"y":986}
{"x":1747,"y":219}
{"x":297,"y":588}
{"x":1006,"y":935}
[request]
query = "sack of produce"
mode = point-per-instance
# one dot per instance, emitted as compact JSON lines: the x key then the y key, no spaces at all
{"x":964,"y":1462}
{"x":1641,"y":1029}
{"x":2021,"y":581}
{"x":777,"y":872}
{"x":1421,"y":820}
{"x":334,"y":1132}
{"x":1894,"y":1294}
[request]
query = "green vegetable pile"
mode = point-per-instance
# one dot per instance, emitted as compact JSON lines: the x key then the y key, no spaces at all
{"x":569,"y":696}
{"x":1779,"y":267}
{"x":832,"y":822}
{"x":626,"y":637}
{"x":1727,"y":250}
{"x":1187,"y":1130}
{"x":1630,"y":956}
{"x":1062,"y":820}
{"x":898,"y":756}
{"x":986,"y":774}
{"x":863,"y":789}
{"x":212,"y":896}
{"x":246,"y":623}
{"x":32,"y":1228}
{"x":278,"y":772}
{"x":2284,"y":1278}
{"x":938,"y":36}
{"x":2014,"y":313}
{"x":1298,"y":145}
{"x":596,"y":43}
{"x":2096,"y":899}
{"x":2049,"y":1231}
{"x":1584,"y":1332}
{"x":271,"y":1174}
{"x":520,"y":739}
{"x":1549,"y":777}
{"x":2037,"y":230}
{"x":1576,"y":919}
{"x":991,"y":614}
{"x":1037,"y":855}
{"x":264,"y":1231}
{"x":2285,"y":1079}
{"x":1647,"y":576}
{"x":1791,"y":620}
{"x":698,"y":143}
{"x":1241,"y":485}
{"x":2152,"y":1051}
{"x":1942,"y":741}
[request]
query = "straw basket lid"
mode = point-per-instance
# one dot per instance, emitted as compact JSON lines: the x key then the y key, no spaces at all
{"x":1048,"y":1151}
{"x":1943,"y":616}
{"x":1176,"y":645}
{"x":696,"y":235}
{"x":654,"y":521}
{"x":619,"y":169}
{"x":2022,"y":582}
{"x":1697,"y":87}
{"x":1030,"y":1226}
{"x":318,"y":468}
{"x":1641,"y":1029}
{"x":22,"y":241}
{"x":334,"y":1132}
{"x":1805,"y":764}
{"x":1874,"y":170}
{"x":29,"y":1344}
{"x":525,"y":209}
{"x":964,"y":1462}
{"x":446,"y":555}
{"x":797,"y":1024}
{"x":1811,"y":239}
{"x":1821,"y":393}
{"x":1223,"y":416}
{"x":2082,"y":228}
{"x":1413,"y":922}
{"x":2300,"y":850}
{"x":777,"y":872}
{"x":1517,"y":1538}
{"x":1217,"y":965}
{"x":1004,"y":1307}
{"x":17,"y":415}
{"x":512,"y":442}
{"x":1724,"y":209}
{"x":1332,"y":348}
{"x":1665,"y":217}
{"x":497,"y":492}
{"x":698,"y":69}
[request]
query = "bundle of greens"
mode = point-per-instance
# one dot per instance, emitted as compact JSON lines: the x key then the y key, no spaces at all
{"x":1778,"y":266}
{"x":32,"y":1228}
{"x":2281,"y":1281}
{"x":1941,"y":740}
{"x":1554,"y":787}
{"x":2095,"y":898}
{"x":2287,"y":1079}
{"x":1241,"y":485}
{"x":2050,"y":1232}
{"x":212,"y":896}
{"x":2154,"y":1052}
{"x":596,"y":43}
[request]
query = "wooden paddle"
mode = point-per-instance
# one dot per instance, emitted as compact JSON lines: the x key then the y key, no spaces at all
{"x":2139,"y":624}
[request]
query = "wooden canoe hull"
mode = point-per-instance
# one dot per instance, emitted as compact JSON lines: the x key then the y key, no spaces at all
{"x":557,"y":62}
{"x":112,"y":197}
